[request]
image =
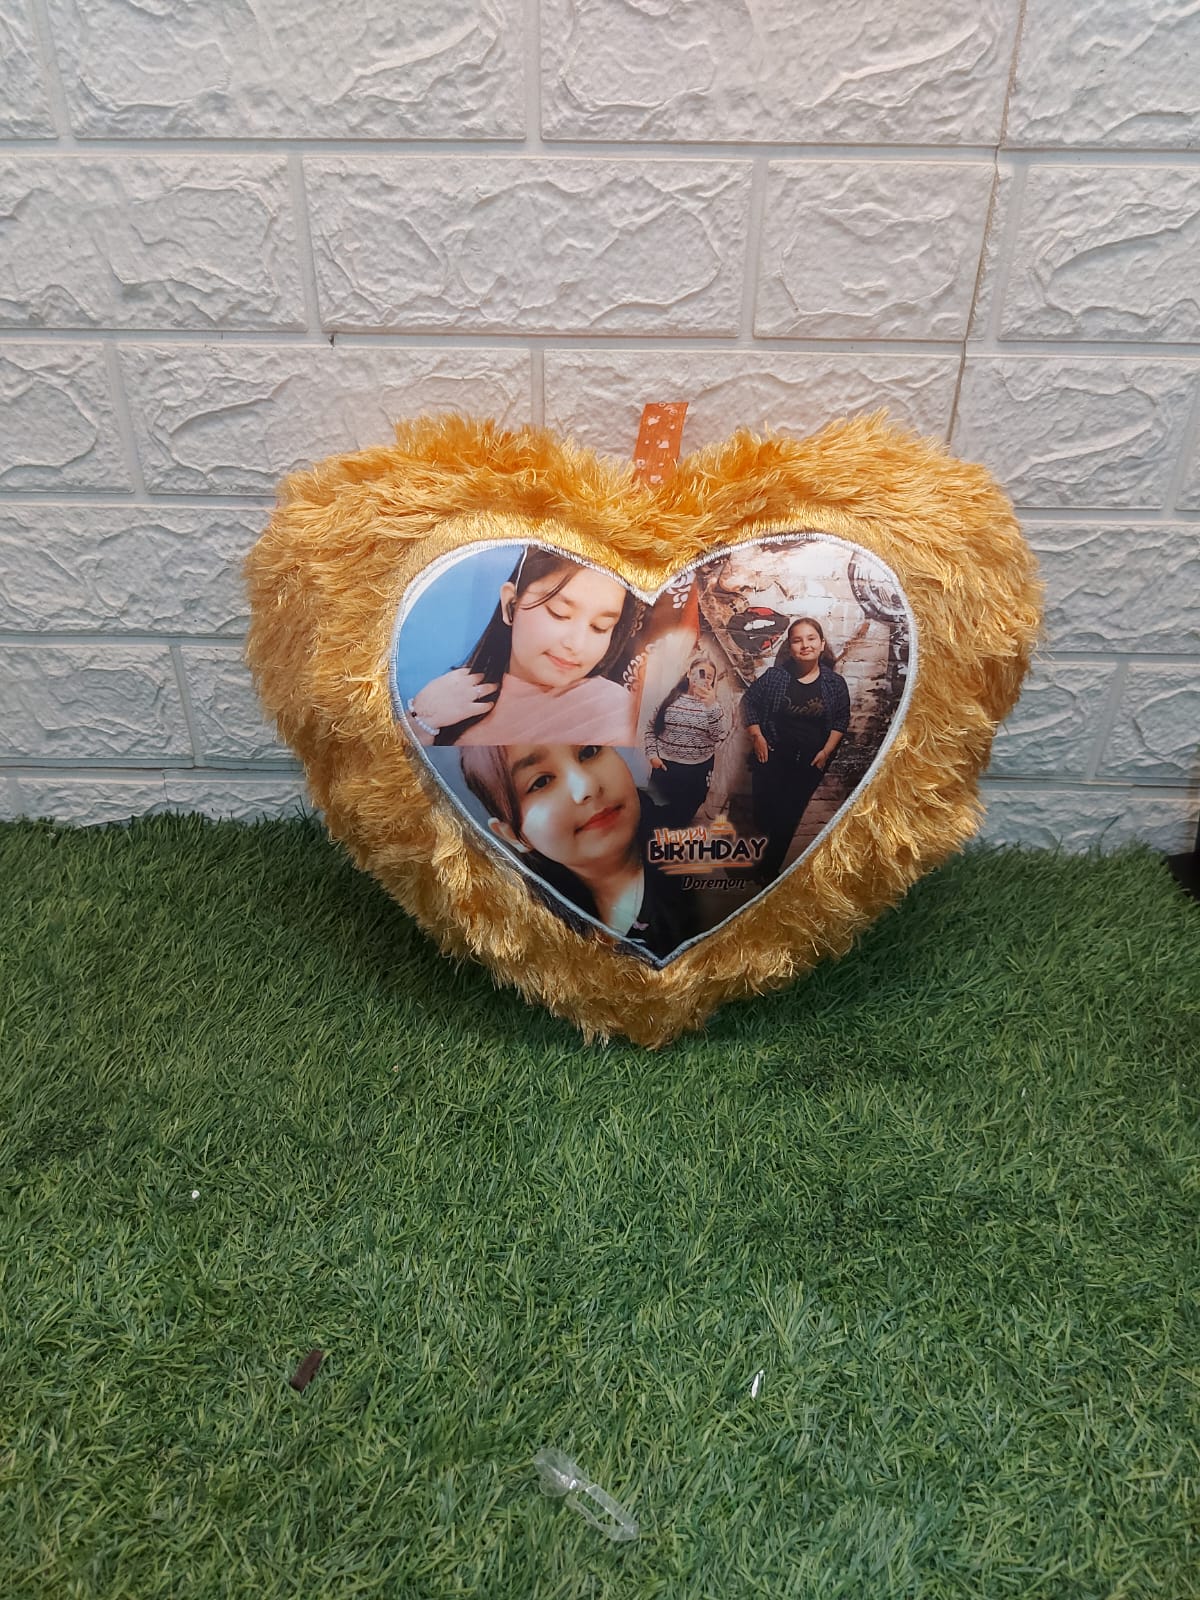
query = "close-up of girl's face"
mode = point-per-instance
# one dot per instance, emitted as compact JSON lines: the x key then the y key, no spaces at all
{"x":806,"y":644}
{"x":577,"y":803}
{"x":558,"y":638}
{"x":701,"y":677}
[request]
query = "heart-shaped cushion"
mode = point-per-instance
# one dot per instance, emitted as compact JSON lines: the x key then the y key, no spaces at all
{"x":643,"y":748}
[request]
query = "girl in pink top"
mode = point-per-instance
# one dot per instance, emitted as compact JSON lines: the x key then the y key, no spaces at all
{"x":538,"y":670}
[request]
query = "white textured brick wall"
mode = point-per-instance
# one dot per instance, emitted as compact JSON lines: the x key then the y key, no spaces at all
{"x":239,"y":235}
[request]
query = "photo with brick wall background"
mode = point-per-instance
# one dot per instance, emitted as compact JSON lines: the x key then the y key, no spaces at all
{"x":235,"y":238}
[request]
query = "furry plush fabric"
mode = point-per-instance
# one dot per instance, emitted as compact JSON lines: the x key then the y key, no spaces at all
{"x":326,"y":580}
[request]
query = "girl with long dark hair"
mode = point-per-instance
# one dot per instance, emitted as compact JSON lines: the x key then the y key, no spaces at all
{"x":539,"y":669}
{"x":682,"y":741}
{"x":796,"y":714}
{"x":577,"y":820}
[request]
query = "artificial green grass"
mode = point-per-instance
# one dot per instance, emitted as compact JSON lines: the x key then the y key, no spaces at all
{"x":942,"y":1195}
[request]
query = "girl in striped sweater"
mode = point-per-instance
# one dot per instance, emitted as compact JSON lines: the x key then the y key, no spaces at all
{"x":682,"y":742}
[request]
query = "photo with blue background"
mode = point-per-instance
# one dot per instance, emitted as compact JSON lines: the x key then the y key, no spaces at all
{"x":443,"y":625}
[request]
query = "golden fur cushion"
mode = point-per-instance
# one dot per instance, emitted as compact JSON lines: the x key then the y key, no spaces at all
{"x":355,"y":536}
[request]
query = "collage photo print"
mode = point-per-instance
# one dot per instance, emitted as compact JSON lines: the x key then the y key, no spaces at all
{"x":653,"y":765}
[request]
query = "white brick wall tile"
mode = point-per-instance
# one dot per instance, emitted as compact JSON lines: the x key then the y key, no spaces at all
{"x":228,"y":797}
{"x":871,"y":250}
{"x":1002,"y":201}
{"x":226,"y":715}
{"x":1120,"y":587}
{"x":1086,"y":819}
{"x":1111,"y":72}
{"x":906,"y":72}
{"x":1070,"y":431}
{"x":92,"y":801}
{"x":90,"y":702}
{"x":495,"y":245}
{"x":1106,"y":253}
{"x":148,"y":242}
{"x":234,"y":419}
{"x":165,"y":569}
{"x":1156,"y":737}
{"x":1189,"y":494}
{"x":597,"y":396}
{"x":59,"y":429}
{"x":98,"y":800}
{"x":10,"y":800}
{"x":24,"y":108}
{"x":1054,"y":726}
{"x":428,"y":69}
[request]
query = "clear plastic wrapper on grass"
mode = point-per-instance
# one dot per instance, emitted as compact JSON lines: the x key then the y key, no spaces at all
{"x":560,"y":1477}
